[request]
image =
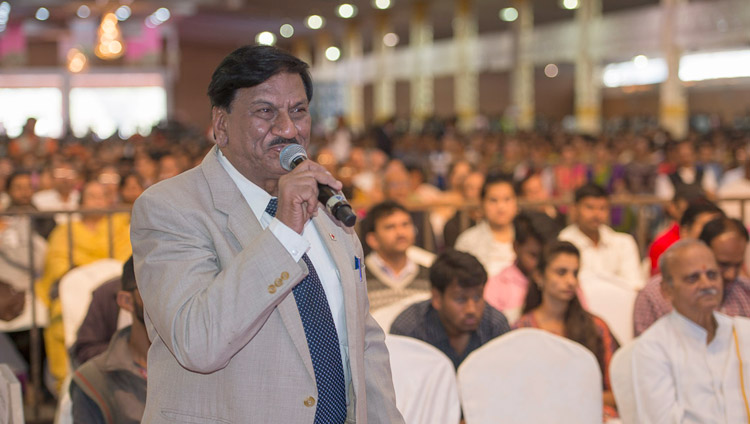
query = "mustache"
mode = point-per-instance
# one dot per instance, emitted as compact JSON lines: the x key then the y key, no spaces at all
{"x":709,"y":292}
{"x":281,"y":140}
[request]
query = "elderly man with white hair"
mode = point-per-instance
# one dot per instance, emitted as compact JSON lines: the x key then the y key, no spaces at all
{"x":688,"y":366}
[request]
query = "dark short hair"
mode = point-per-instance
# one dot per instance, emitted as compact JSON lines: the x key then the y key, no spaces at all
{"x":697,"y":208}
{"x":718,"y":226}
{"x":13,"y":176}
{"x":553,"y":249}
{"x":249,"y":66}
{"x":380,"y":211}
{"x":497,"y":178}
{"x":455,"y":266}
{"x":534,"y":225}
{"x":128,"y":276}
{"x":590,"y":190}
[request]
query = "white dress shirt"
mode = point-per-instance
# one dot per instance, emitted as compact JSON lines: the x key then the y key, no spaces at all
{"x":664,"y":189}
{"x":678,"y":378}
{"x":297,"y":245}
{"x":479,"y":241}
{"x":615,"y":259}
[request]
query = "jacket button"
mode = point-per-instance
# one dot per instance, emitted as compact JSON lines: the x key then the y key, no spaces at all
{"x":272,"y":289}
{"x":284,"y":275}
{"x":278,"y":282}
{"x":310,"y":402}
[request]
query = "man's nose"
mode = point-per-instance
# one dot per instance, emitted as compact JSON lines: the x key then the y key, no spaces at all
{"x":283,"y":126}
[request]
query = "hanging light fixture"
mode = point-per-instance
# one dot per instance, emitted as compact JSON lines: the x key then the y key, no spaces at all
{"x":109,"y":44}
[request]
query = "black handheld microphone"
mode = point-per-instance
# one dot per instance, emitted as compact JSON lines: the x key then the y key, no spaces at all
{"x":293,"y":155}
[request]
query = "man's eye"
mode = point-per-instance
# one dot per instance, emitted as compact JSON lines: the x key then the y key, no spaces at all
{"x":712,"y":275}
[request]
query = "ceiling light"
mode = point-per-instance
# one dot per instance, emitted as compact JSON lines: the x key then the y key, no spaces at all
{"x":382,"y":4}
{"x":286,"y":30}
{"x":122,"y":13}
{"x":162,"y":14}
{"x":42,"y":14}
{"x":83,"y":12}
{"x":508,"y":14}
{"x":314,"y":22}
{"x":570,"y":4}
{"x":390,"y":39}
{"x":551,"y":70}
{"x":333,"y":53}
{"x":346,"y":11}
{"x":266,"y":38}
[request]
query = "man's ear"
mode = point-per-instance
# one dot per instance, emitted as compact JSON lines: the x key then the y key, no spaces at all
{"x":125,"y":300}
{"x":372,"y":241}
{"x":666,"y":290}
{"x":437,"y":299}
{"x":219,"y":126}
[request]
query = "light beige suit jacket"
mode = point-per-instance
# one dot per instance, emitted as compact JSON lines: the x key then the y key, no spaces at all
{"x":228,"y":345}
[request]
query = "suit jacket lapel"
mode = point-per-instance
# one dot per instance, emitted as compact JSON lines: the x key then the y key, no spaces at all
{"x":338,"y":243}
{"x":244,"y":226}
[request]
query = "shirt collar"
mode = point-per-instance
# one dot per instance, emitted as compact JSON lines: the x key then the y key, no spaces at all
{"x":256,"y":197}
{"x":691,"y":329}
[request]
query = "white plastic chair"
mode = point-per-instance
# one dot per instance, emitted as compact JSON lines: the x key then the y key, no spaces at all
{"x":387,"y":314}
{"x":76,"y":287}
{"x":613,"y":304}
{"x":424,"y":380}
{"x":621,"y":377}
{"x":531,"y":376}
{"x":11,"y":401}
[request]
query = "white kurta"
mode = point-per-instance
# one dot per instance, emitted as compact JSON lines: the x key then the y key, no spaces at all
{"x":678,"y":378}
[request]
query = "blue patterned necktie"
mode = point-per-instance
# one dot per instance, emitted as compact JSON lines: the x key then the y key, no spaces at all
{"x":322,"y":340}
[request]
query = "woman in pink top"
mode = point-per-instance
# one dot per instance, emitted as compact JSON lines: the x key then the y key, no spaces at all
{"x":507,"y":290}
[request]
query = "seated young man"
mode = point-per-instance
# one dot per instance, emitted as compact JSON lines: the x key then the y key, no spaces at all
{"x":507,"y":290}
{"x":111,"y":387}
{"x":456,"y":319}
{"x":392,"y":274}
{"x":607,"y":255}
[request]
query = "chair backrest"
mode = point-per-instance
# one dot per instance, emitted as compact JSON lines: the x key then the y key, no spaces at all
{"x":11,"y":402}
{"x":613,"y":304}
{"x":621,"y":377}
{"x":424,"y":380}
{"x":75,"y":291}
{"x":387,"y":314}
{"x":531,"y":376}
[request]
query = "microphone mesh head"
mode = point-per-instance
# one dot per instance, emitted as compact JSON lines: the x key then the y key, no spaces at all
{"x":289,"y":154}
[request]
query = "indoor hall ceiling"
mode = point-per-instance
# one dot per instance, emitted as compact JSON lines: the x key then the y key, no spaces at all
{"x":238,"y":21}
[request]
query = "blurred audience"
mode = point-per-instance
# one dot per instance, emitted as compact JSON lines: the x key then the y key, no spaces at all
{"x":491,"y":240}
{"x":506,"y":291}
{"x":91,"y":241}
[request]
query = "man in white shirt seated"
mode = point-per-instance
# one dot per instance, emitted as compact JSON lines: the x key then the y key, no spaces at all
{"x":394,"y":271}
{"x":687,"y":367}
{"x":63,"y":196}
{"x":606,"y":255}
{"x":686,"y":173}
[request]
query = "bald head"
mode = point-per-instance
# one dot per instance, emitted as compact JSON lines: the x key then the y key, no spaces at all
{"x":675,"y":253}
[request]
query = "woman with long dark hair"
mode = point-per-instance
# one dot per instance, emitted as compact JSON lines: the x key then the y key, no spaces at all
{"x":552,"y":305}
